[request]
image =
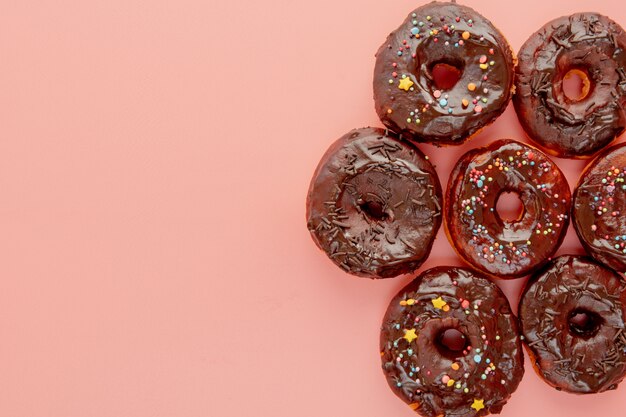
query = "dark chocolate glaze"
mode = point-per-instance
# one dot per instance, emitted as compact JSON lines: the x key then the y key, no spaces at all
{"x":374,"y":204}
{"x":448,"y":33}
{"x":599,"y":208}
{"x":564,"y":358}
{"x":488,"y":370}
{"x":506,"y":249}
{"x":588,"y":42}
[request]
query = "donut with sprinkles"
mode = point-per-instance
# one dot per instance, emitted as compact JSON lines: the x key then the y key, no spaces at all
{"x":599,"y":208}
{"x":506,"y":247}
{"x":444,"y":74}
{"x":450,"y":345}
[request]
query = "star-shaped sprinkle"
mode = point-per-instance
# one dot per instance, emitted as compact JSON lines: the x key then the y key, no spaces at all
{"x":405,"y":84}
{"x":438,"y":303}
{"x":410,"y":335}
{"x":478,"y":404}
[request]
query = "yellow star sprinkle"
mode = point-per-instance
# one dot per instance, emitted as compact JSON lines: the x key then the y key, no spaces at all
{"x":405,"y":84}
{"x":410,"y":335}
{"x":478,"y":404}
{"x":438,"y":303}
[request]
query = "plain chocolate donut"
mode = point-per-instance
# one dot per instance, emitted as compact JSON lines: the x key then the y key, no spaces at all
{"x":593,"y":46}
{"x":480,"y":236}
{"x":374,"y":204}
{"x":437,"y":375}
{"x":456,"y":38}
{"x":572,"y":318}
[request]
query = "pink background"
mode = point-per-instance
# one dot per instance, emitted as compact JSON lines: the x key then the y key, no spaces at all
{"x":154,"y":162}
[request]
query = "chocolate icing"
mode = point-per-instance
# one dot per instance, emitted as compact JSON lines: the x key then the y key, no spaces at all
{"x":588,"y":42}
{"x":566,"y":358}
{"x":506,"y":248}
{"x":600,"y":206}
{"x":442,"y":33}
{"x":374,"y":204}
{"x":487,"y":371}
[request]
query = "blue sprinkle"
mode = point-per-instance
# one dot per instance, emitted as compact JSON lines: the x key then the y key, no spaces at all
{"x":482,"y":177}
{"x":488,"y":361}
{"x":409,"y":351}
{"x":456,"y":45}
{"x":399,"y":53}
{"x":399,"y":384}
{"x":415,"y":31}
{"x":449,"y":110}
{"x":479,"y":183}
{"x":397,"y":326}
{"x":471,"y":212}
{"x":595,"y":199}
{"x":483,"y":376}
{"x":443,"y":102}
{"x":421,"y":23}
{"x":477,"y":358}
{"x":532,"y":163}
{"x":623,"y":237}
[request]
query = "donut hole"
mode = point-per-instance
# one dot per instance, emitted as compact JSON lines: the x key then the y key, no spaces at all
{"x":509,"y":206}
{"x":584,"y":323}
{"x":451,"y":343}
{"x":576,"y":84}
{"x":446,"y":74}
{"x":373,"y":209}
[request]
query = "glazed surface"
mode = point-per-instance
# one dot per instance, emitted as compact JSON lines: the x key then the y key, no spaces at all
{"x":599,"y":209}
{"x":406,"y":97}
{"x":374,"y":204}
{"x":498,"y":247}
{"x":563,"y":358}
{"x":477,"y":382}
{"x":588,"y":42}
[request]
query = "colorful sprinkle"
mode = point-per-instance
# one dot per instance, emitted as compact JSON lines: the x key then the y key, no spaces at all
{"x":405,"y":84}
{"x":438,"y":303}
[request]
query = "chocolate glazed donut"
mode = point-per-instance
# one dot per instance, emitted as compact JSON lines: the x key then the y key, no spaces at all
{"x":506,"y":248}
{"x":453,"y":40}
{"x":572,"y":318}
{"x":374,"y":204}
{"x":450,"y":345}
{"x":590,"y":46}
{"x":600,"y":206}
